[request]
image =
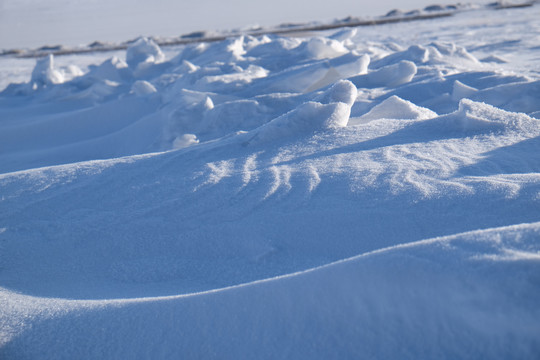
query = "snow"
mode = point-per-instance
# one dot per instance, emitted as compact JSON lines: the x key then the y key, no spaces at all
{"x":339,"y":194}
{"x":332,"y":110}
{"x":143,"y":53}
{"x":388,"y":76}
{"x":44,"y":73}
{"x":395,"y":108}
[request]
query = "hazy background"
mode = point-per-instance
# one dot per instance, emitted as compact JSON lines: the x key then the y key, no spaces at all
{"x":33,"y":23}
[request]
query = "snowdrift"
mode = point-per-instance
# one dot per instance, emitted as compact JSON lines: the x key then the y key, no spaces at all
{"x":450,"y":297}
{"x":339,"y":195}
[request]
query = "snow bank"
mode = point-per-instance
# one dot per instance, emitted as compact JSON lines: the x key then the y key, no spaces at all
{"x":395,"y":108}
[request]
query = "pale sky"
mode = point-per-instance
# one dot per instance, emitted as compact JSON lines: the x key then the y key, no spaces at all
{"x":33,"y":23}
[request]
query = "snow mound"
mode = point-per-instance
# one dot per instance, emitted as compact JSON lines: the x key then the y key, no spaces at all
{"x":341,"y":92}
{"x":395,"y":108}
{"x":142,"y":52}
{"x":331,"y":111}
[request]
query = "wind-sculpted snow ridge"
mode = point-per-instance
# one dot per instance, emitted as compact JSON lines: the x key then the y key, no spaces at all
{"x":347,"y":195}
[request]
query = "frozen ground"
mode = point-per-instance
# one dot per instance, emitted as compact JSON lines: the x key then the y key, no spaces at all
{"x":370,"y":193}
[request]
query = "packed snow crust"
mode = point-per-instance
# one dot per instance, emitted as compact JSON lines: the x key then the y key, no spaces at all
{"x":345,"y":194}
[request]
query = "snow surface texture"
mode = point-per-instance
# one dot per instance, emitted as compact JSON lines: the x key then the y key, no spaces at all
{"x":344,"y":195}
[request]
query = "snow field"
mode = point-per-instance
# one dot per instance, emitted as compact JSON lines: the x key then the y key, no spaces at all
{"x":342,"y":195}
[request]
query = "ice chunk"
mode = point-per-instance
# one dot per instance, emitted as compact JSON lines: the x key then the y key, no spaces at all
{"x":44,"y":72}
{"x":144,"y":50}
{"x":395,"y":108}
